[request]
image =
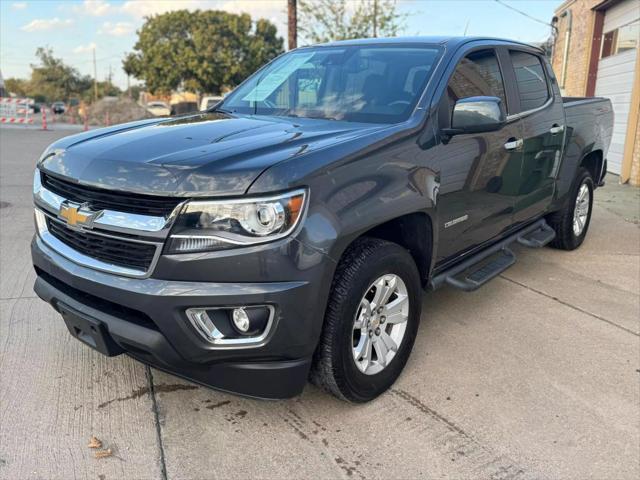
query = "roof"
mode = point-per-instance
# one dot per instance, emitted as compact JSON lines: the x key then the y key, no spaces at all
{"x":451,"y":42}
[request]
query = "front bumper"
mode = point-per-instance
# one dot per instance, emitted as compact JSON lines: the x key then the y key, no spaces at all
{"x":146,"y":319}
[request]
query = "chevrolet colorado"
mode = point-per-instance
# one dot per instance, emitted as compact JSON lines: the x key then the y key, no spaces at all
{"x":287,"y":234}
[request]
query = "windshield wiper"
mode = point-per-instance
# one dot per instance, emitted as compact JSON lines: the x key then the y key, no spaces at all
{"x":313,"y":117}
{"x":321,"y":117}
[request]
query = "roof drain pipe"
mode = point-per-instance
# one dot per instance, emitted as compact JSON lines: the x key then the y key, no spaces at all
{"x":567,"y":40}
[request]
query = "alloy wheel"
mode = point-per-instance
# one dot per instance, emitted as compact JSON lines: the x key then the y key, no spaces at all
{"x":380,"y":324}
{"x":581,"y":209}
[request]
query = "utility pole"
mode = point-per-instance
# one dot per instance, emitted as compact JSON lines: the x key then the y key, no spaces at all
{"x":95,"y":77}
{"x":292,"y":23}
{"x":375,"y":18}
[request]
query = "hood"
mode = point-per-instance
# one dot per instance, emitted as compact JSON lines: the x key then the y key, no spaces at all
{"x":207,"y":154}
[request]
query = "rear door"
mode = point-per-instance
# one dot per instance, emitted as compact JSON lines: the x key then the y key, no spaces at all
{"x":543,"y":122}
{"x":479,"y":175}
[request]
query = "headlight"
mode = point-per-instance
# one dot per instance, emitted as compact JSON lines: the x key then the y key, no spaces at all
{"x":220,"y":224}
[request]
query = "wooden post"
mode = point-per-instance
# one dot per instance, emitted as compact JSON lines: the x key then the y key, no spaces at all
{"x":95,"y":77}
{"x":632,"y":124}
{"x":375,"y":18}
{"x":292,"y":23}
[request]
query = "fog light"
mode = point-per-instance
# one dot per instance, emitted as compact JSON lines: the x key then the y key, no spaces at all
{"x":231,"y":327}
{"x":241,"y":320}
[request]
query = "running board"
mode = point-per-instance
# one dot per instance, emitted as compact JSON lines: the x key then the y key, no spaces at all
{"x":487,"y":270}
{"x":473,"y":272}
{"x":538,"y":238}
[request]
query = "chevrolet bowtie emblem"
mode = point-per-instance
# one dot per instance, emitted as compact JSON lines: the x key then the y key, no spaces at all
{"x":78,"y":215}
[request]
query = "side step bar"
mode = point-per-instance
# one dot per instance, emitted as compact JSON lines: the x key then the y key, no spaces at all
{"x":478,"y":277}
{"x":538,"y":238}
{"x":475,"y":271}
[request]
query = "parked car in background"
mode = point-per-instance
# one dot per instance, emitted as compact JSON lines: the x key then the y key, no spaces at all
{"x":182,"y":108}
{"x":209,"y":102}
{"x":289,"y":233}
{"x":58,"y":108}
{"x":34,"y":107}
{"x":159,"y":109}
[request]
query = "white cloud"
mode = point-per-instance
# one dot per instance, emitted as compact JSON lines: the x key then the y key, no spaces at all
{"x":144,"y":9}
{"x":257,"y":8}
{"x":95,"y":8}
{"x":19,"y":5}
{"x":46,"y":24}
{"x":118,"y":29}
{"x":84,"y":48}
{"x":273,"y":10}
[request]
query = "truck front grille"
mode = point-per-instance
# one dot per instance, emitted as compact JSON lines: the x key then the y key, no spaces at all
{"x":100,"y":199}
{"x":111,"y":250}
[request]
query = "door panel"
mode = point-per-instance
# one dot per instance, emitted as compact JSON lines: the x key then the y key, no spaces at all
{"x":478,"y":188}
{"x":543,"y":125}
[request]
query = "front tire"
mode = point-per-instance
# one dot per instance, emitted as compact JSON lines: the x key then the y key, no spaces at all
{"x":371,"y":321}
{"x":572,"y":222}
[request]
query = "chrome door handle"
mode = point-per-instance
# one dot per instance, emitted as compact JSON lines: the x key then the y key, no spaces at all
{"x":556,"y":129}
{"x":513,"y":144}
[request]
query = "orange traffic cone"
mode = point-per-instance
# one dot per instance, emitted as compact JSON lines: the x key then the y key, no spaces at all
{"x":44,"y":118}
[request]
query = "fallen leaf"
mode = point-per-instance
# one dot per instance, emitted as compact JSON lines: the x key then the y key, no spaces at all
{"x":94,"y":443}
{"x":104,"y":453}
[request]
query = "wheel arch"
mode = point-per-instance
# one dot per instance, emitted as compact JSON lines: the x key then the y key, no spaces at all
{"x":593,"y":162}
{"x":412,"y":231}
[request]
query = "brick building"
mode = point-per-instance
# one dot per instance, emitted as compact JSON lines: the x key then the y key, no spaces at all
{"x":597,"y":52}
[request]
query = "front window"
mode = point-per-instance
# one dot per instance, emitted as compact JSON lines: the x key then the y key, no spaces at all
{"x":478,"y":74}
{"x":374,"y":84}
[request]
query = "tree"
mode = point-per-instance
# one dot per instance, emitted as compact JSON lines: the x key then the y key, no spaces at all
{"x":54,"y":80}
{"x":547,"y":47}
{"x":201,"y":51}
{"x":328,"y":20}
{"x":17,"y":86}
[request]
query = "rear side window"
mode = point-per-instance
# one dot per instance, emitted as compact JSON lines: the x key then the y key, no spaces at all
{"x":478,"y":74}
{"x":531,"y":80}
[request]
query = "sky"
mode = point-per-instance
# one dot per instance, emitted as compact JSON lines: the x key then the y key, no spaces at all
{"x":73,"y":28}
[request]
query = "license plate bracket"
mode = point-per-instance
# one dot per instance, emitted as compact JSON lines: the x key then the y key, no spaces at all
{"x":89,"y":331}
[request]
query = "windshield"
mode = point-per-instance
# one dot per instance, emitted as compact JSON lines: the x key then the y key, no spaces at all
{"x":374,"y":84}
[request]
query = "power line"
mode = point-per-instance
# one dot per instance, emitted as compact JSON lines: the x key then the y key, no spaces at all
{"x":523,"y":13}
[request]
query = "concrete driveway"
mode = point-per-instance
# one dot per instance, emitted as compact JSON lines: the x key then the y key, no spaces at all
{"x":536,"y":375}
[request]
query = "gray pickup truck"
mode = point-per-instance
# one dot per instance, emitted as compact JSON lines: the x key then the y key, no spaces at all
{"x":288,"y":233}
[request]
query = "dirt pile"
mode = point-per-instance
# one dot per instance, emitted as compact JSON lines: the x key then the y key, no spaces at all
{"x":114,"y":110}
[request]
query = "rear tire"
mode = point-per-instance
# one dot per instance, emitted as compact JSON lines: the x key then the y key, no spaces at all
{"x":572,"y":222}
{"x":373,"y":279}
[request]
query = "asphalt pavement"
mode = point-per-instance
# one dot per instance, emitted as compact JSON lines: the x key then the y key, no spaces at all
{"x":535,"y":375}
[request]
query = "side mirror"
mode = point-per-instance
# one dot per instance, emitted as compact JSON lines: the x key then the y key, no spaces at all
{"x":476,"y":115}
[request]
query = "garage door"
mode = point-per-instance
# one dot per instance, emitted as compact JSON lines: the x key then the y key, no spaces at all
{"x":616,"y":70}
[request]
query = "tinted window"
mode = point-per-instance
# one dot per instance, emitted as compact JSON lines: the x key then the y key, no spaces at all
{"x":379,"y":84}
{"x":478,"y":74}
{"x":532,"y":84}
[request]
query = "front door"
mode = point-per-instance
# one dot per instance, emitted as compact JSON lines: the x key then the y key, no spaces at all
{"x":479,"y":173}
